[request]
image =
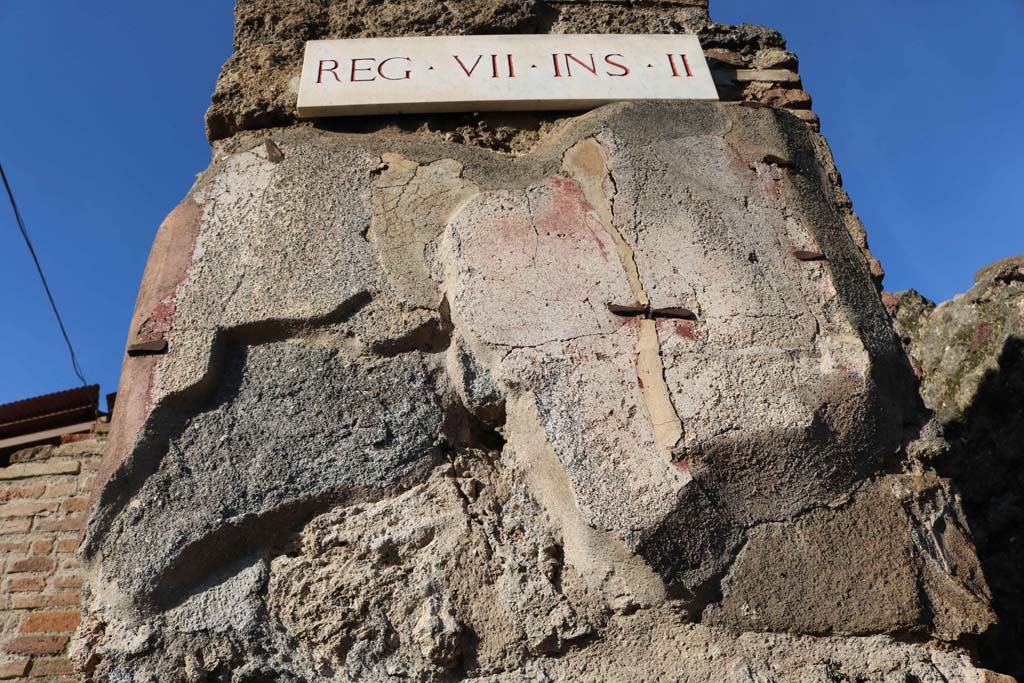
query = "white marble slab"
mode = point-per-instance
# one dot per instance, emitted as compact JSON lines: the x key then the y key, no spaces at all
{"x":498,"y":73}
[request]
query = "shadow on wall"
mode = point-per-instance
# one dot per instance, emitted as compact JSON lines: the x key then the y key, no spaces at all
{"x":986,"y":461}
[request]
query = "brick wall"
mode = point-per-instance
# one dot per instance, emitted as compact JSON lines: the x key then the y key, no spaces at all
{"x":44,"y":493}
{"x":751,"y":64}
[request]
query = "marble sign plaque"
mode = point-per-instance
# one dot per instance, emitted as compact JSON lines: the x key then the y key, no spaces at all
{"x":498,"y":73}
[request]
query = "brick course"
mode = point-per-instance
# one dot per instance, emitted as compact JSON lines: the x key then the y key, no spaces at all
{"x":26,"y":583}
{"x":39,"y":469}
{"x":52,"y":666}
{"x":44,"y":496}
{"x":32,"y":564}
{"x":37,"y":600}
{"x":14,"y":669}
{"x":756,"y":67}
{"x":42,"y":546}
{"x":27,"y":508}
{"x":36,"y":645}
{"x":67,"y":581}
{"x":15,"y":526}
{"x":50,"y":622}
{"x":67,"y":545}
{"x":15,"y":492}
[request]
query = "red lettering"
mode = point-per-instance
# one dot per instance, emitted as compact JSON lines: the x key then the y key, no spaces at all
{"x":568,"y":67}
{"x":672,"y":63}
{"x":404,"y":77}
{"x":608,"y":60}
{"x":469,"y":71}
{"x":494,"y":66}
{"x":355,"y":69}
{"x":511,"y":67}
{"x":558,"y":70}
{"x":320,"y":73}
{"x":675,"y":69}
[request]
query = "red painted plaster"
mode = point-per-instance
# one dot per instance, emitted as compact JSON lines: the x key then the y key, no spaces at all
{"x":167,"y":268}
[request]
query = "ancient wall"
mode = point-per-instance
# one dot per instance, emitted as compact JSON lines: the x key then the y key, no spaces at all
{"x":405,"y":425}
{"x":44,"y":493}
{"x":970,"y":353}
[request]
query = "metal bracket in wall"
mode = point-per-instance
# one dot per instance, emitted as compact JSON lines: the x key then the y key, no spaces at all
{"x":150,"y":348}
{"x":637,"y":311}
{"x":778,"y":161}
{"x":808,"y":255}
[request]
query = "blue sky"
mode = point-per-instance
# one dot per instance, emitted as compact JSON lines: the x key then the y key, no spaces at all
{"x":101,"y":134}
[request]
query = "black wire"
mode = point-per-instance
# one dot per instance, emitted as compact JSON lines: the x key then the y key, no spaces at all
{"x":35,"y":259}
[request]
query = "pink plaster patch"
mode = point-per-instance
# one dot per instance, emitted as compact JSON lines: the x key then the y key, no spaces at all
{"x":536,"y":266}
{"x":569,"y":213}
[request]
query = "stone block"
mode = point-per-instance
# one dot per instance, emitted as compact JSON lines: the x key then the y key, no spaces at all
{"x":776,"y":58}
{"x":787,"y":98}
{"x":642,"y":67}
{"x":728,"y":57}
{"x":766,"y":76}
{"x":812,"y":118}
{"x":848,"y":571}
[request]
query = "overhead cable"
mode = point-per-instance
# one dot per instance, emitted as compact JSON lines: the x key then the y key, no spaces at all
{"x":39,"y":269}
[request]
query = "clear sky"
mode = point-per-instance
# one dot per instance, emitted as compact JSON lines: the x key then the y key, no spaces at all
{"x":101,"y":134}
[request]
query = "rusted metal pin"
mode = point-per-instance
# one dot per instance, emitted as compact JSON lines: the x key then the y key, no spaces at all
{"x":149,"y":348}
{"x":638,"y":311}
{"x":802,"y":255}
{"x":673,"y":312}
{"x":775,"y":160}
{"x":631,"y":311}
{"x":274,"y":153}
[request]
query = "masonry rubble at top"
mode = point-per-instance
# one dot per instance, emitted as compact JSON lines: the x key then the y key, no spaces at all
{"x":258,"y":84}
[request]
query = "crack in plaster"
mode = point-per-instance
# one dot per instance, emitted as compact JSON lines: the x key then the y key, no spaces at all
{"x":587,"y":163}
